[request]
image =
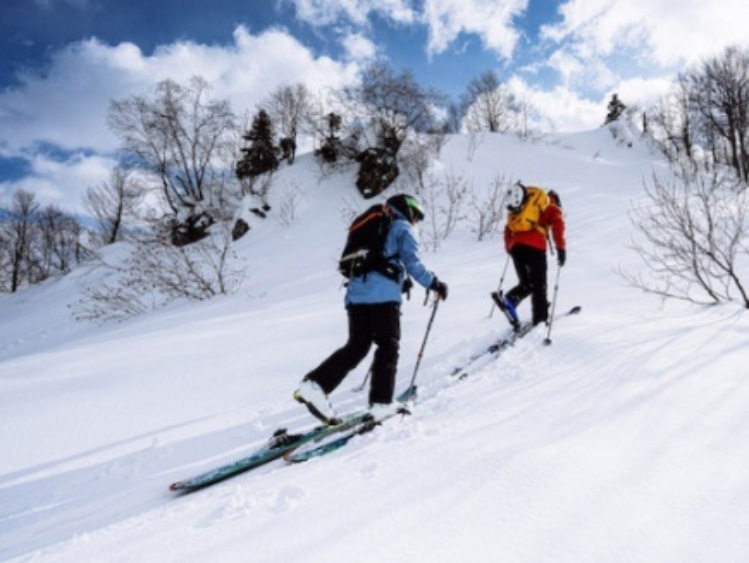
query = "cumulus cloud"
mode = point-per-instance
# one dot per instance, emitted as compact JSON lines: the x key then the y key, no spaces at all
{"x":564,"y":109}
{"x":66,"y":105}
{"x":490,"y":21}
{"x":597,"y":47}
{"x":327,"y":12}
{"x":559,"y":108}
{"x":579,"y":74}
{"x":652,"y":31}
{"x":642,"y":91}
{"x":635,"y":48}
{"x":60,"y":182}
{"x":445,"y":20}
{"x":359,"y":47}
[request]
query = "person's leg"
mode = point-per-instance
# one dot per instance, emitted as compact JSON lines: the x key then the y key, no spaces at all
{"x":386,"y":333}
{"x":329,"y":374}
{"x":520,"y":259}
{"x":537,"y":277}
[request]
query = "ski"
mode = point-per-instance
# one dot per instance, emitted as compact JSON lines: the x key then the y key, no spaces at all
{"x":310,"y":450}
{"x":280,"y":444}
{"x":505,"y":342}
{"x":304,"y":454}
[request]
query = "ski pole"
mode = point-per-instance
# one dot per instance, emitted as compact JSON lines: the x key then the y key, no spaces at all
{"x":501,"y":282}
{"x":547,"y":340}
{"x":411,"y":391}
{"x":360,"y":388}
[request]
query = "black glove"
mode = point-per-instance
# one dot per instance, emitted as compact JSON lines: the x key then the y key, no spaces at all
{"x":561,"y":256}
{"x":439,"y":287}
{"x":406,"y":287}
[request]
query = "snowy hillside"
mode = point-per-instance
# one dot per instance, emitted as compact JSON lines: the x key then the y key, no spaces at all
{"x":626,"y":440}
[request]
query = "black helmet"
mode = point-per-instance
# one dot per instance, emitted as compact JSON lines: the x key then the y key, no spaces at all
{"x":407,"y":206}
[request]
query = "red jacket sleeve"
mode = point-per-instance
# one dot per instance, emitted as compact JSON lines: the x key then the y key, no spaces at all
{"x":553,"y":218}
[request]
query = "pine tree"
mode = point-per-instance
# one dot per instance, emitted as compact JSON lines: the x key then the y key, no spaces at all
{"x":260,"y":157}
{"x":615,"y":109}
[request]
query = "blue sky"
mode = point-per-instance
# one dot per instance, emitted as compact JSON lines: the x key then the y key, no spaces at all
{"x":62,"y":61}
{"x":32,"y":32}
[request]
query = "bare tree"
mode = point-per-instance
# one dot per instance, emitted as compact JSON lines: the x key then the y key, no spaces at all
{"x":5,"y":261}
{"x":394,"y":103}
{"x":444,"y":201}
{"x":112,"y":202}
{"x":720,"y":96}
{"x":185,"y":140}
{"x":487,"y":210}
{"x":673,"y":123}
{"x":19,"y":233}
{"x":157,"y":273}
{"x":693,"y":238}
{"x":291,"y":108}
{"x":59,"y":243}
{"x":418,"y":153}
{"x":488,"y":105}
{"x":390,"y":106}
{"x":528,"y":119}
{"x":706,"y":118}
{"x":195,"y":272}
{"x":37,"y":244}
{"x":454,"y":118}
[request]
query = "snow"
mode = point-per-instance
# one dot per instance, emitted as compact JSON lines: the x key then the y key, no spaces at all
{"x":625,"y":440}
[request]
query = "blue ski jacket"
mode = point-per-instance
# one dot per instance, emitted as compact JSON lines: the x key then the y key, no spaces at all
{"x":402,"y":249}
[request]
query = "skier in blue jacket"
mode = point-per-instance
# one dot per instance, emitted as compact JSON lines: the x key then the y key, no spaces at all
{"x":373,"y":305}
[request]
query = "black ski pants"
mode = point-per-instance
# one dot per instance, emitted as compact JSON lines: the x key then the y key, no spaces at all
{"x":530,"y":265}
{"x":377,"y":323}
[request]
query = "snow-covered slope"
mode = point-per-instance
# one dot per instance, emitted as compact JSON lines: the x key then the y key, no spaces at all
{"x":626,"y":440}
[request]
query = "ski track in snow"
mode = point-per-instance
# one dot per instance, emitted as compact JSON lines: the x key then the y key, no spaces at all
{"x":625,"y":440}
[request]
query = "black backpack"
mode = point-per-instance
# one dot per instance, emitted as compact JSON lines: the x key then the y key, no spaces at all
{"x":363,"y":252}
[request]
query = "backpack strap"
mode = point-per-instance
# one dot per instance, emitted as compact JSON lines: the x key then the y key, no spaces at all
{"x":384,"y":265}
{"x":377,"y":261}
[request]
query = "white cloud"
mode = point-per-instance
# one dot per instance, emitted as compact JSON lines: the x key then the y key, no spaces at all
{"x":599,"y":47}
{"x":60,"y":183}
{"x":660,"y":32}
{"x":642,"y":91}
{"x":491,"y":20}
{"x":358,"y":47}
{"x":636,"y":48}
{"x":560,"y":108}
{"x":564,"y":109}
{"x":581,"y":74}
{"x":327,"y":12}
{"x":67,"y":104}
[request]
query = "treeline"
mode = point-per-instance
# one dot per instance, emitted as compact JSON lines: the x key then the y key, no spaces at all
{"x":190,"y":166}
{"x":704,"y":120}
{"x":692,"y":230}
{"x":188,"y":162}
{"x":37,"y":243}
